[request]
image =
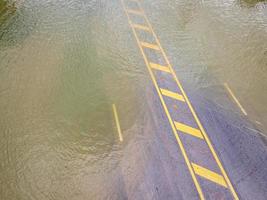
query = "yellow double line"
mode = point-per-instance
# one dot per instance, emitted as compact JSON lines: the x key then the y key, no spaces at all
{"x":194,"y":169}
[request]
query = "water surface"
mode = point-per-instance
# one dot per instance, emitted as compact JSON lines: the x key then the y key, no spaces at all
{"x":64,"y":63}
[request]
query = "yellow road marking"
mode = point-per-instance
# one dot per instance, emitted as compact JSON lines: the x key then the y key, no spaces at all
{"x":148,"y":45}
{"x":166,"y":109}
{"x":159,"y":67}
{"x":173,"y":95}
{"x":194,"y":114}
{"x":235,"y":99}
{"x":136,"y":12}
{"x":188,"y":129}
{"x":117,"y":121}
{"x":210,"y":175}
{"x":189,"y":105}
{"x":141,"y":27}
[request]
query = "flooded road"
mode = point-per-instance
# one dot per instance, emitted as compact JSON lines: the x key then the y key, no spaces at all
{"x":224,"y":40}
{"x":65,"y":63}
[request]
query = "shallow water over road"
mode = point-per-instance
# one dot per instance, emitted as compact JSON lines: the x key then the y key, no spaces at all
{"x":224,"y":40}
{"x":64,"y":63}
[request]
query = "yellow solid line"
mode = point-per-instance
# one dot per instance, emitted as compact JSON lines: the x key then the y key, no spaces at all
{"x":159,"y":67}
{"x":172,"y":94}
{"x":141,"y":27}
{"x":136,"y":12}
{"x":210,"y":175}
{"x":188,"y":129}
{"x":235,"y":99}
{"x":117,"y":122}
{"x":167,"y":112}
{"x":193,"y":112}
{"x":148,"y":45}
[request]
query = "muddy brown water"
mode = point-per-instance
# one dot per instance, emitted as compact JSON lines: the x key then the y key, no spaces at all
{"x":64,"y":63}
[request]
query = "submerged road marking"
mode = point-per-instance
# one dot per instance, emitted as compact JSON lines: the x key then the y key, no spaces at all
{"x":141,"y":27}
{"x":166,"y":109}
{"x":136,"y":12}
{"x":194,"y":114}
{"x":117,"y":122}
{"x":171,"y":94}
{"x":150,"y":46}
{"x":188,"y":129}
{"x":235,"y":99}
{"x":159,"y":67}
{"x":179,"y":141}
{"x":210,"y":175}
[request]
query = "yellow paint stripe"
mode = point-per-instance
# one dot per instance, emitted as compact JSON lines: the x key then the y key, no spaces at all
{"x":172,"y":94}
{"x":188,"y":129}
{"x":150,"y":46}
{"x":117,"y":121}
{"x":195,"y":116}
{"x":235,"y":99}
{"x":136,"y":12}
{"x":159,"y":67}
{"x":166,"y":110}
{"x":210,"y":175}
{"x":141,"y":27}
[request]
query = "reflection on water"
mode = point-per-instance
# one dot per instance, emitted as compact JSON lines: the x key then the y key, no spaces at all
{"x":6,"y":9}
{"x":63,"y":64}
{"x":12,"y":12}
{"x":250,"y":2}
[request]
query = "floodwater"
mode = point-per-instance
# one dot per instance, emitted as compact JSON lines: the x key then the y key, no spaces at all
{"x":64,"y":63}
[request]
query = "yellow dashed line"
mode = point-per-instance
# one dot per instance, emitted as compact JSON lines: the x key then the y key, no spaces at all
{"x":189,"y":130}
{"x":159,"y":67}
{"x":141,"y":27}
{"x":150,"y":46}
{"x":166,"y":111}
{"x":225,"y":181}
{"x":210,"y":175}
{"x":136,"y":12}
{"x":172,"y":94}
{"x":193,"y":113}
